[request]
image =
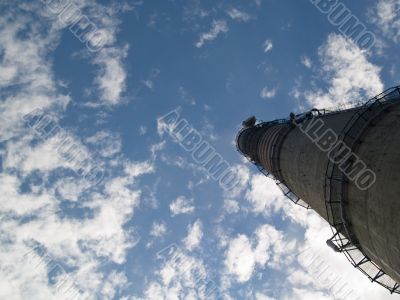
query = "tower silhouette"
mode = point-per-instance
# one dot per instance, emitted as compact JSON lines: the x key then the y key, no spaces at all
{"x":345,"y":165}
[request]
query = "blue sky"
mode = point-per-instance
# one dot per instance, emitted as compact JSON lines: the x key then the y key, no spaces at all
{"x":152,"y":223}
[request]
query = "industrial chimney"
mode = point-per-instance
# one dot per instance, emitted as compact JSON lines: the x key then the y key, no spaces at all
{"x":344,"y":164}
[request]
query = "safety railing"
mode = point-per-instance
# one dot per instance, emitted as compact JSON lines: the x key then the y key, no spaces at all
{"x":343,"y":239}
{"x":282,"y":186}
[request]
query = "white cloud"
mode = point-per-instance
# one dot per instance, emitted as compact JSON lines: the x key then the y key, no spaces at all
{"x":35,"y":179}
{"x":181,"y":205}
{"x":7,"y":75}
{"x":167,"y":123}
{"x":114,"y":281}
{"x":267,"y":93}
{"x":260,"y":296}
{"x":29,"y":159}
{"x":386,"y":15}
{"x":348,"y":72}
{"x":112,"y":76}
{"x":244,"y":254}
{"x":268,"y":45}
{"x":142,"y":130}
{"x":264,"y":195}
{"x":158,"y":229}
{"x":157,"y":232}
{"x":194,"y":236}
{"x":326,"y":273}
{"x":208,"y":131}
{"x":217,"y":27}
{"x":155,"y":148}
{"x":186,"y":96}
{"x":103,"y":232}
{"x":135,"y":169}
{"x":243,"y":173}
{"x":70,"y":188}
{"x":304,"y":294}
{"x":239,"y":258}
{"x":306,"y":61}
{"x":61,"y":150}
{"x":319,"y":267}
{"x":180,"y":276}
{"x":106,"y":143}
{"x":78,"y":243}
{"x":231,"y":206}
{"x":27,"y":204}
{"x":149,"y":84}
{"x":238,"y":15}
{"x":26,"y":68}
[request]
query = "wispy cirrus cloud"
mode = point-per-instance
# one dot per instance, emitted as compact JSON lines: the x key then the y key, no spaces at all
{"x":107,"y":143}
{"x":217,"y":27}
{"x":267,"y":93}
{"x":182,"y":205}
{"x":111,"y":79}
{"x":268,"y":45}
{"x":238,"y":15}
{"x":306,"y":61}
